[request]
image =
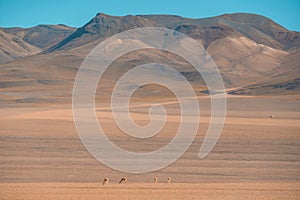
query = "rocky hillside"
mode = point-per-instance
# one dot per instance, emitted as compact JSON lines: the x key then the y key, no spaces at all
{"x":20,"y":42}
{"x":254,"y":54}
{"x":254,"y":27}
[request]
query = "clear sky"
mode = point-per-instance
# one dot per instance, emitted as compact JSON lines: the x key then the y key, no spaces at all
{"x":27,"y":13}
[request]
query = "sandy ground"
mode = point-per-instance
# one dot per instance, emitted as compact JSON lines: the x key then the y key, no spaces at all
{"x":256,"y":157}
{"x":150,"y":191}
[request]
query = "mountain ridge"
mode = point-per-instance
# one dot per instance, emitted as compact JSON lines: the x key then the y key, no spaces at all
{"x":252,"y":52}
{"x":39,"y":38}
{"x":256,"y":27}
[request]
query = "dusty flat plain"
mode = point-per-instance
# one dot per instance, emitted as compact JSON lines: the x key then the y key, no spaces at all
{"x":150,"y":191}
{"x":256,"y":157}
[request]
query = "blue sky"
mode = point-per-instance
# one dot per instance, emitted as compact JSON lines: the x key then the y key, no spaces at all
{"x":27,"y":13}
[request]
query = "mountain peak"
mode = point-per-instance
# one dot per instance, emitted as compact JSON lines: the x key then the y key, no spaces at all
{"x":102,"y":15}
{"x":255,"y":27}
{"x":102,"y":26}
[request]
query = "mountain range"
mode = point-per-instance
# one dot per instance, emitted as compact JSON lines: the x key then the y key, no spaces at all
{"x":255,"y":55}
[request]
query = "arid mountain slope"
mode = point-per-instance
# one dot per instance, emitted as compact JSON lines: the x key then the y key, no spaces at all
{"x":13,"y":47}
{"x":255,"y":27}
{"x":254,"y":54}
{"x":20,"y":42}
{"x":42,"y":36}
{"x":100,"y":27}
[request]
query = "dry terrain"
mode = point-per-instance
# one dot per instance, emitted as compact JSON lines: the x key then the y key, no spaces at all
{"x":256,"y":156}
{"x":151,"y":191}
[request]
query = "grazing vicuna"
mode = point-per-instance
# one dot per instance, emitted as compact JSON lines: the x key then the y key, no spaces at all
{"x":123,"y":180}
{"x":105,"y":181}
{"x":169,"y":180}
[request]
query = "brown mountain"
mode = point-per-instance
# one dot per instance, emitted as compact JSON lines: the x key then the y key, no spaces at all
{"x":255,"y":27}
{"x":101,"y":26}
{"x":13,"y":47}
{"x":254,"y":54}
{"x":42,"y":36}
{"x":20,"y":42}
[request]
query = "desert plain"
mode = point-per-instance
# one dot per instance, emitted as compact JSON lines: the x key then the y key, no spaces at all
{"x":256,"y":157}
